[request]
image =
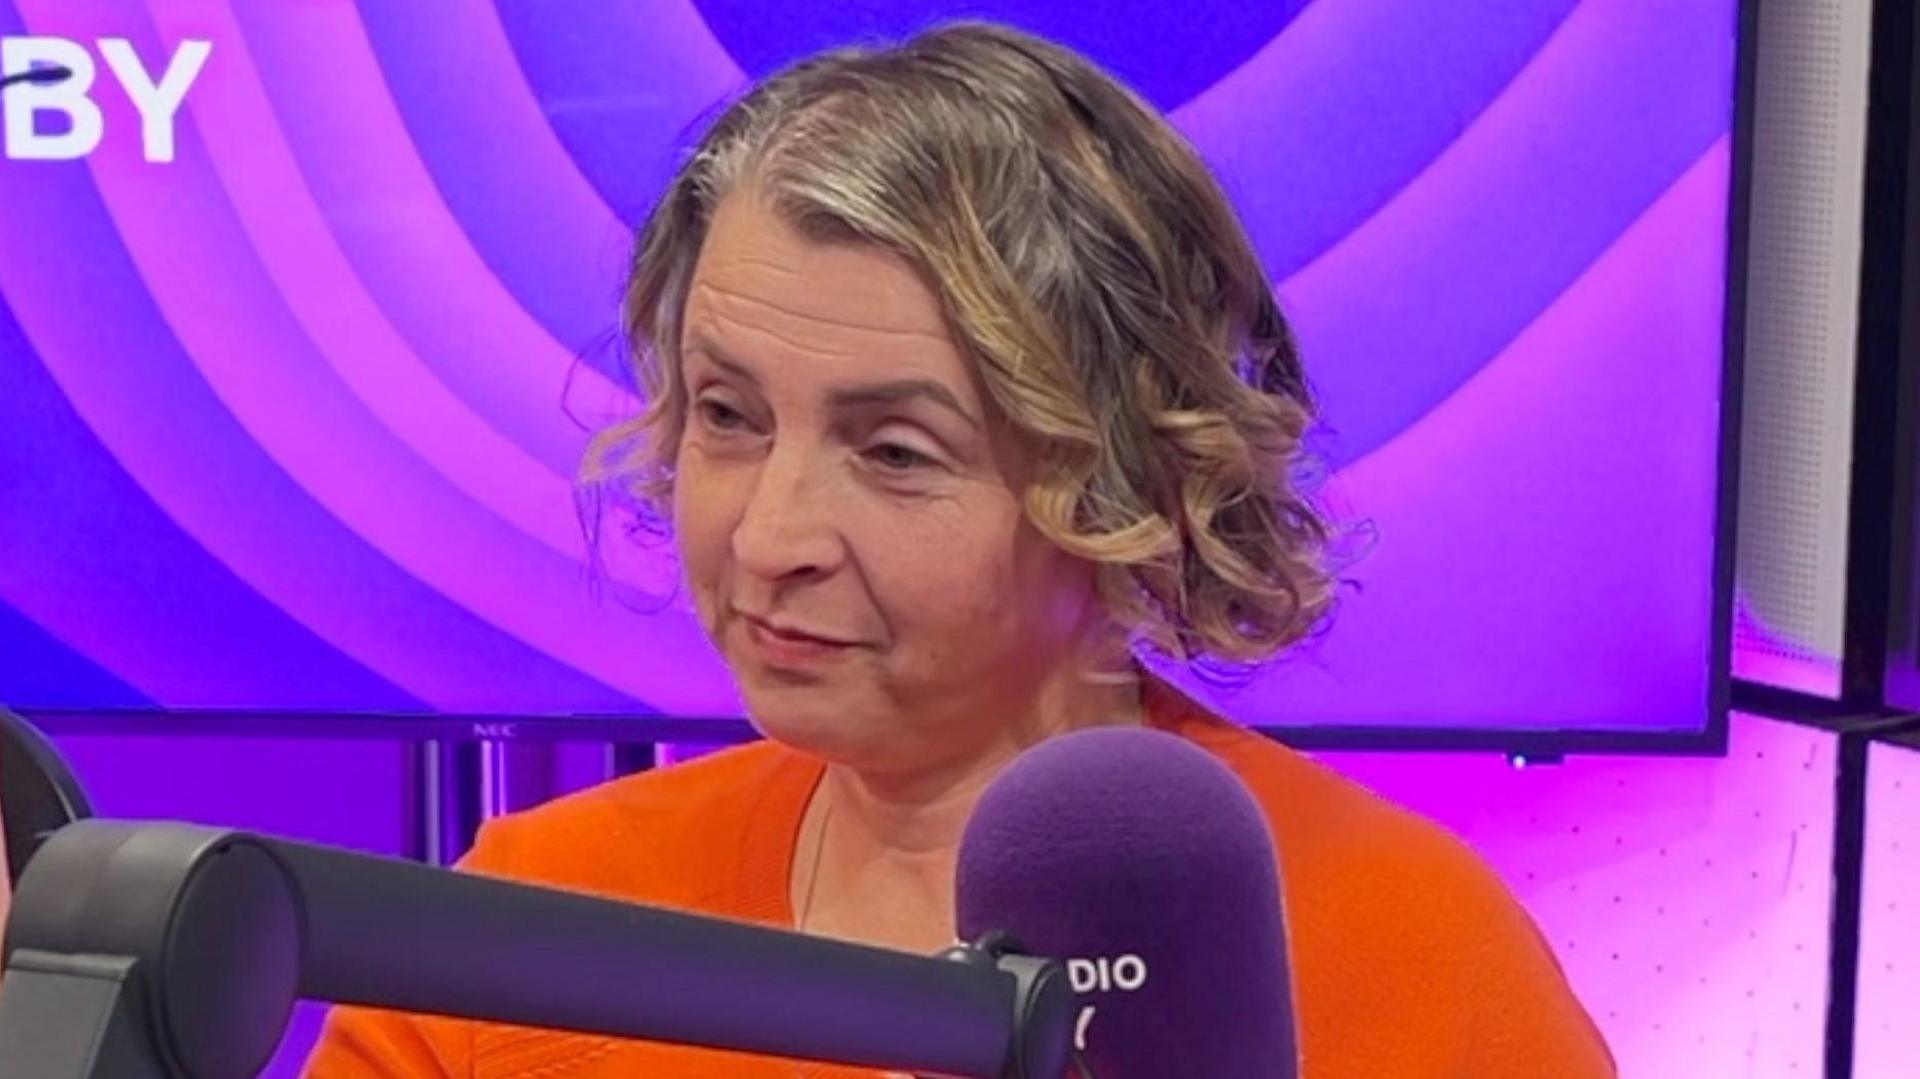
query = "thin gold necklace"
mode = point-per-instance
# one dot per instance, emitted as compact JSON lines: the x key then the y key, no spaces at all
{"x":813,"y":871}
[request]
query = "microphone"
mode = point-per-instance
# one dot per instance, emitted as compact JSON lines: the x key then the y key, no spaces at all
{"x":150,"y":950}
{"x":1141,"y":862}
{"x":38,"y":793}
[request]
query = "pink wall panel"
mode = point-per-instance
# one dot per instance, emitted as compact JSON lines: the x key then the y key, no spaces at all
{"x":1688,"y":898}
{"x":1887,"y":1015}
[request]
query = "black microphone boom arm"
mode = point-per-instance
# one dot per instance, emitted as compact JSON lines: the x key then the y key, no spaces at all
{"x":174,"y":951}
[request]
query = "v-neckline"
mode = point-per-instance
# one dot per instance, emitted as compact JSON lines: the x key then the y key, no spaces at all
{"x":771,"y":839}
{"x":769,"y":843}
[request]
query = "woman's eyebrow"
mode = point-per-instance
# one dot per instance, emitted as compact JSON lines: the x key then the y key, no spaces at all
{"x":863,"y":395}
{"x":894,"y":391}
{"x":719,"y":357}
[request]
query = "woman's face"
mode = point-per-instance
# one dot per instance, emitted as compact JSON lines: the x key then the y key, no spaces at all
{"x":848,"y":506}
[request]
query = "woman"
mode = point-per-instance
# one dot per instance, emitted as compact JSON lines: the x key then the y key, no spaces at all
{"x":964,"y":382}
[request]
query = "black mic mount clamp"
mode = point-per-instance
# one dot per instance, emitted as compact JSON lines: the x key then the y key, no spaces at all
{"x":171,"y":951}
{"x":1042,"y":1002}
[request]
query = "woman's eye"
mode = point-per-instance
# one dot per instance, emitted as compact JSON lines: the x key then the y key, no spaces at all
{"x":894,"y":457}
{"x":721,"y":416}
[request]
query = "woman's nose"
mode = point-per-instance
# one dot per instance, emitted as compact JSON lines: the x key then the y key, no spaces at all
{"x":786,"y":528}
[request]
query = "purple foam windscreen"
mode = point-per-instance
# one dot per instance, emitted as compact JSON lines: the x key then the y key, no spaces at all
{"x":1143,"y":863}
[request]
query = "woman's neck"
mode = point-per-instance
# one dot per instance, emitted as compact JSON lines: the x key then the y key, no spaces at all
{"x":878,"y":850}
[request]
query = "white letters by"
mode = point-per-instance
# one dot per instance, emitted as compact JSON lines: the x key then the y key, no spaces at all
{"x":157,"y":100}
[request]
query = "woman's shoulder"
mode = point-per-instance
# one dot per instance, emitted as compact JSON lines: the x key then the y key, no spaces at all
{"x":1390,"y":914}
{"x":1306,"y":801}
{"x":1342,"y":845}
{"x":670,"y":834}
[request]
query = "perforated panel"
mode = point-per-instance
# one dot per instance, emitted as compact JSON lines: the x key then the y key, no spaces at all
{"x":1887,"y":1014}
{"x":1802,"y":314}
{"x":1688,"y":899}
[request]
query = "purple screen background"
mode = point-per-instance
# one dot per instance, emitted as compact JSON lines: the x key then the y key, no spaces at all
{"x":287,"y":424}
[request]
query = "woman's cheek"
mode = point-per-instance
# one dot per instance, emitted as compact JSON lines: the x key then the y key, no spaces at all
{"x":947,"y":567}
{"x":701,"y":529}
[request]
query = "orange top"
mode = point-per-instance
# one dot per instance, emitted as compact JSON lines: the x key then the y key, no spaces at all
{"x":1410,"y":959}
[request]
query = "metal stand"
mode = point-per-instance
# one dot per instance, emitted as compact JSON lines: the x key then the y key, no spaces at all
{"x":77,"y":1016}
{"x":448,"y":800}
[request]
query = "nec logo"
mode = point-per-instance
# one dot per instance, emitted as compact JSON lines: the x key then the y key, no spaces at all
{"x":55,"y":119}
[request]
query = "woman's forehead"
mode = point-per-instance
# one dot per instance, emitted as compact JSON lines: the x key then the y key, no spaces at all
{"x":755,"y":256}
{"x":761,"y":286}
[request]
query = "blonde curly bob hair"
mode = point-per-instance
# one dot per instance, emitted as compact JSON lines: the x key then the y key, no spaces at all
{"x":1093,"y":271}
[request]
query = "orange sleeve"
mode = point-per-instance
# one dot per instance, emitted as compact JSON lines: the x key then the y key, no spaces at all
{"x":1526,"y":1020}
{"x":370,"y":1043}
{"x":365,"y":1043}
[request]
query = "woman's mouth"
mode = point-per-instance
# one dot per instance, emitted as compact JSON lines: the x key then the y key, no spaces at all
{"x":785,"y":646}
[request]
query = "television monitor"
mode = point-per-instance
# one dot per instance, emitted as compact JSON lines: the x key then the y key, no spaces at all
{"x":306,"y":314}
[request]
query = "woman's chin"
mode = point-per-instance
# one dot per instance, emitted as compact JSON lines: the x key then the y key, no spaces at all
{"x":804,"y":718}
